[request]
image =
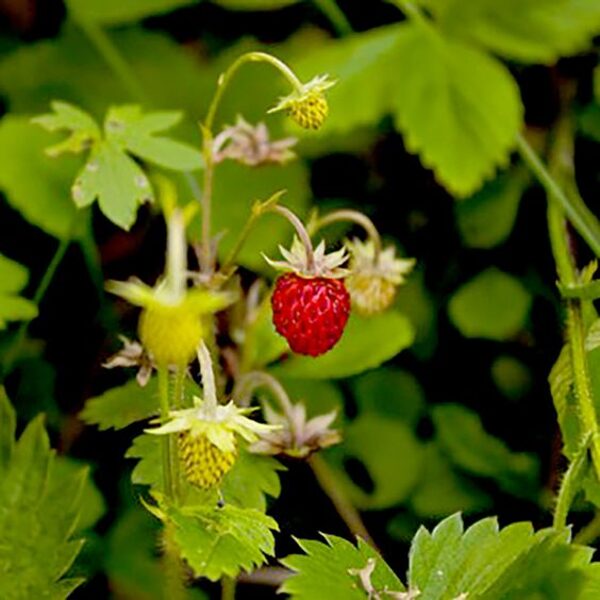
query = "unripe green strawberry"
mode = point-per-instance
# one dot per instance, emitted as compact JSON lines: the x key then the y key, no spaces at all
{"x":171,"y":334}
{"x":204,"y":464}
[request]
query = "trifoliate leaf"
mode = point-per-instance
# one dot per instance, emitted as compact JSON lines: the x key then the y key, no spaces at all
{"x":467,"y":444}
{"x":110,"y":175}
{"x":120,"y":406}
{"x":35,"y":185}
{"x":384,"y":336}
{"x":393,"y":473}
{"x":218,"y":542}
{"x":458,"y":108}
{"x":115,"y":12}
{"x":135,"y":132}
{"x":338,"y":569}
{"x":538,"y":31}
{"x":13,"y":278}
{"x":492,"y":305}
{"x":39,"y":508}
{"x":487,"y":218}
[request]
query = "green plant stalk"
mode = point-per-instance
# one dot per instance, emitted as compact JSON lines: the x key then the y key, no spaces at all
{"x":590,"y":532}
{"x":163,"y":394}
{"x":331,"y":486}
{"x":228,"y":586}
{"x":208,"y":260}
{"x":567,"y":273}
{"x":335,"y":15}
{"x":570,"y":484}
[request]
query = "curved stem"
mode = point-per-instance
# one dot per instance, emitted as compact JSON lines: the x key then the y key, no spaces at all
{"x":226,"y":77}
{"x":301,"y":231}
{"x":228,"y":586}
{"x":330,"y":485}
{"x":589,"y":533}
{"x":248,"y":382}
{"x":355,"y":217}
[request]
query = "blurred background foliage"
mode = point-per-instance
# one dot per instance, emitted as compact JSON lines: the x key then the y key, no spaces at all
{"x":462,"y":419}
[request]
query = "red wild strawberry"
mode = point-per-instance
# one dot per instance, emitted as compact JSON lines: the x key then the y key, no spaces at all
{"x":310,"y":304}
{"x":310,"y":314}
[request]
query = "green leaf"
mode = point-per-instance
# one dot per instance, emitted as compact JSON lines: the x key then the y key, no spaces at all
{"x":449,"y":561}
{"x":218,"y":542}
{"x":13,"y":278}
{"x":394,"y":473}
{"x":366,"y":344}
{"x":318,"y":396}
{"x":458,"y":108}
{"x":511,"y":377}
{"x":35,"y":185}
{"x":115,"y":12}
{"x":120,"y":406}
{"x":492,"y":305}
{"x":255,"y":4}
{"x":390,"y":392}
{"x":537,"y":31}
{"x":561,"y":380}
{"x":247,"y":485}
{"x":466,"y":443}
{"x":131,"y":563}
{"x":39,"y":508}
{"x":135,"y":132}
{"x":116,"y":181}
{"x":93,"y":505}
{"x":589,"y":121}
{"x":443,"y":491}
{"x":331,"y":570}
{"x":486,"y":219}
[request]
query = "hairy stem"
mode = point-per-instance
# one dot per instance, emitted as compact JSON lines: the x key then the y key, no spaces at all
{"x":330,"y":485}
{"x":570,"y":485}
{"x":208,"y":378}
{"x":166,"y":451}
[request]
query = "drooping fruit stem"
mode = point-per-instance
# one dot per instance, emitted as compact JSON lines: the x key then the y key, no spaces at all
{"x":176,"y":260}
{"x":208,"y":259}
{"x":352,"y":216}
{"x":301,"y":231}
{"x":163,"y":395}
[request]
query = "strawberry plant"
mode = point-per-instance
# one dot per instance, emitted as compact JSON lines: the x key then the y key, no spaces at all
{"x":344,"y":420}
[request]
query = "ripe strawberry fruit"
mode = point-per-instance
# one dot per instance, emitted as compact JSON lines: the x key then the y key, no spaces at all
{"x":310,"y":313}
{"x":310,"y":302}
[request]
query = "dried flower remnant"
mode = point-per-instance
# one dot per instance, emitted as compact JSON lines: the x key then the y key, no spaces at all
{"x":132,"y":354}
{"x":251,"y":145}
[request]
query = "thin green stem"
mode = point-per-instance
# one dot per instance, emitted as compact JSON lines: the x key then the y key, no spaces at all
{"x":413,"y":12}
{"x":38,"y":296}
{"x":347,"y":511}
{"x":589,"y":533}
{"x":207,"y":258}
{"x":335,"y":15}
{"x":163,"y":394}
{"x":570,"y":484}
{"x":228,"y":585}
{"x":113,"y":58}
{"x":578,"y":214}
{"x":300,"y":230}
{"x":355,"y":217}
